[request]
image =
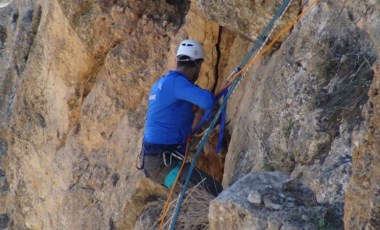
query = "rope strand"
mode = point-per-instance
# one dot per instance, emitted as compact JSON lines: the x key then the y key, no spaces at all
{"x":167,"y":203}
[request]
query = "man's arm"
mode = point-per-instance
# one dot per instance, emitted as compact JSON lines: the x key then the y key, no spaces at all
{"x":187,"y":91}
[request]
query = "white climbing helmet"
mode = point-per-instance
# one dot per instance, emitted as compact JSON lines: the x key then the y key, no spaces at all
{"x":191,"y":49}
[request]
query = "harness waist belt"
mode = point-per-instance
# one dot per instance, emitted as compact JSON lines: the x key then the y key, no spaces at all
{"x":150,"y":149}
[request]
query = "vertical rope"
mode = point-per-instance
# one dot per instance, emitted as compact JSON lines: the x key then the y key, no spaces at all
{"x":264,"y":35}
{"x":167,"y":203}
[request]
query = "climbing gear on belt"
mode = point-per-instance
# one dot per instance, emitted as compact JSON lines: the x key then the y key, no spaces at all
{"x":140,"y":161}
{"x":166,"y":150}
{"x":167,"y":158}
{"x":178,"y":155}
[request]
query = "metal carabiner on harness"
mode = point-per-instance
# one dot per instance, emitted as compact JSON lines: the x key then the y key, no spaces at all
{"x":166,"y":157}
{"x":178,"y":155}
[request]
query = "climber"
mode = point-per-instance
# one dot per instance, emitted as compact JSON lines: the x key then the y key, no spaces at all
{"x":173,"y":100}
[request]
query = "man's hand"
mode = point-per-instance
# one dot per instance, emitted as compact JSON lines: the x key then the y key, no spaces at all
{"x":196,"y":108}
{"x":198,"y":114}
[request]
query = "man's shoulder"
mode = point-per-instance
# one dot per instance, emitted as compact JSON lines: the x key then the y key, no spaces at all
{"x":179,"y":78}
{"x":170,"y":76}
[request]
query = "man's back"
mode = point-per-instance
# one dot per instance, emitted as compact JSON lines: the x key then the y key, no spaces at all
{"x":170,"y":116}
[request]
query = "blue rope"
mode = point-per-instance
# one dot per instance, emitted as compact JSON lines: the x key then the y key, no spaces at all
{"x":199,"y":149}
{"x":264,"y":34}
{"x":207,"y":116}
{"x":221,"y":108}
{"x":223,"y":118}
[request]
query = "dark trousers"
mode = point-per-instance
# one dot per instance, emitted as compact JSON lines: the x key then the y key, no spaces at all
{"x":156,"y":169}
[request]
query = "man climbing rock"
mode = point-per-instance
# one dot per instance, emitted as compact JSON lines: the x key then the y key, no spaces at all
{"x":173,"y":100}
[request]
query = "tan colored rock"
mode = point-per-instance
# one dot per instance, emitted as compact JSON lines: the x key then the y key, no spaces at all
{"x":295,"y":115}
{"x":77,"y":120}
{"x":232,"y":209}
{"x":247,"y":18}
{"x":362,"y":203}
{"x":362,"y":198}
{"x":207,"y":32}
{"x":74,"y":76}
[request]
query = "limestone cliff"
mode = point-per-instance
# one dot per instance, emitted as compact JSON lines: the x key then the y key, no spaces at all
{"x":74,"y":79}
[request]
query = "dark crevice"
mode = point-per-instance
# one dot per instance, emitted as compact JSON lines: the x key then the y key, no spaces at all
{"x":27,"y":35}
{"x":115,"y":179}
{"x":15,"y":17}
{"x":176,"y":2}
{"x":112,"y":224}
{"x":41,"y":120}
{"x":4,"y":184}
{"x":24,"y":41}
{"x":3,"y":147}
{"x":91,"y":79}
{"x":4,"y":221}
{"x":3,"y":39}
{"x":300,"y":9}
{"x":218,"y":57}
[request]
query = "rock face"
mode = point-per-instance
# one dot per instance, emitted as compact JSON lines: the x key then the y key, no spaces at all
{"x":362,"y":197}
{"x":303,"y":105}
{"x":77,"y":74}
{"x":74,"y":78}
{"x":15,"y":45}
{"x":235,"y":14}
{"x":267,"y":201}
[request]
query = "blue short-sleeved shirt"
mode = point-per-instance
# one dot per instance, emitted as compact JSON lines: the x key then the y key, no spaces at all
{"x":170,"y":116}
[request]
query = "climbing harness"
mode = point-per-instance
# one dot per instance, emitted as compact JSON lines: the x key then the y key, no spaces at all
{"x":234,"y":80}
{"x":168,"y":157}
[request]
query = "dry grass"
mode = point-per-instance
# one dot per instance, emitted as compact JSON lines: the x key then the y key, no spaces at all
{"x":194,"y":210}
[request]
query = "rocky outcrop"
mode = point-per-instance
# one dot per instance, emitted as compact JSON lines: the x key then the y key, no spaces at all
{"x":303,"y":104}
{"x":362,"y":196}
{"x":74,"y":76}
{"x":248,"y":18}
{"x":74,"y":114}
{"x":268,"y":201}
{"x":16,"y":40}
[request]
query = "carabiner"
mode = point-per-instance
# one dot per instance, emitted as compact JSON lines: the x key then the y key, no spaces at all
{"x":164,"y":156}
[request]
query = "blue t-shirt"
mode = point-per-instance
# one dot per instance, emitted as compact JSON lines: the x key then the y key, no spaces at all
{"x":170,"y":116}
